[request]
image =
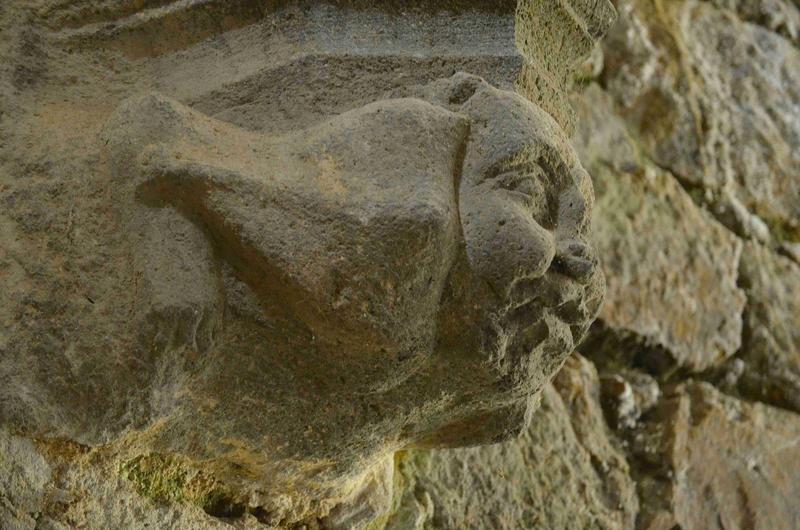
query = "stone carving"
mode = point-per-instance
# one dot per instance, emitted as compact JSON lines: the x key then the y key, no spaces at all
{"x":267,"y":253}
{"x":253,"y":272}
{"x":422,"y":259}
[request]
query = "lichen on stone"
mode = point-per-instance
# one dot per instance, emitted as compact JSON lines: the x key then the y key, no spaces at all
{"x":169,"y":479}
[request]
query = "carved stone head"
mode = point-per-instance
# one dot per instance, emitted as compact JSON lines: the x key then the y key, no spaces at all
{"x":291,"y":250}
{"x":408,"y":273}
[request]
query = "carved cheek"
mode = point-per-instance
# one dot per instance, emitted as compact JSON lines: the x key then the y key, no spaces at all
{"x":433,"y":224}
{"x":387,"y":264}
{"x":575,"y":205}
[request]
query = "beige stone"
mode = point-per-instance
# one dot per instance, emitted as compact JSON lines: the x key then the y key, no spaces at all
{"x":563,"y":472}
{"x":717,"y":462}
{"x":711,"y":91}
{"x":770,"y":350}
{"x":671,"y":269}
{"x":250,"y":250}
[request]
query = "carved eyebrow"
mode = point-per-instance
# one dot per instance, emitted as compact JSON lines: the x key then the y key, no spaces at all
{"x":550,"y":162}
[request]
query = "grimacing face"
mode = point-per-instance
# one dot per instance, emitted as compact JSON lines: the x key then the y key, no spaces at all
{"x":525,"y":210}
{"x":426,"y":255}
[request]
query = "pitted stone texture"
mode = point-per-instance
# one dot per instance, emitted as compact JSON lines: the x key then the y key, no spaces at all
{"x":56,"y":485}
{"x":671,"y":269}
{"x":563,"y":472}
{"x":290,"y":64}
{"x":713,"y":98}
{"x":492,"y":283}
{"x":770,"y":350}
{"x":712,"y":461}
{"x":24,"y":475}
{"x":254,"y":248}
{"x":779,"y":16}
{"x":572,"y":27}
{"x":553,"y":37}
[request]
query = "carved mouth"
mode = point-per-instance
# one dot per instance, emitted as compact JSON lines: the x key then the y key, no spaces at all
{"x":526,"y":314}
{"x":555,"y":294}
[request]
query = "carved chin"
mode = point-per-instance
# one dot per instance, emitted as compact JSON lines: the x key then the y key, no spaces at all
{"x":533,"y":339}
{"x":526,"y":360}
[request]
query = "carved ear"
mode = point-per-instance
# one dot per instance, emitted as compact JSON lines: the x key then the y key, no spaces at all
{"x":452,"y":92}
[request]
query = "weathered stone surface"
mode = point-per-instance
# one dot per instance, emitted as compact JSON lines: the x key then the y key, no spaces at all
{"x":627,"y":394}
{"x":492,"y":283}
{"x":708,"y":96}
{"x":671,"y":269}
{"x":23,"y":477}
{"x":263,"y":264}
{"x":250,"y":250}
{"x":563,"y":472}
{"x":712,"y":461}
{"x":768,"y":366}
{"x":57,"y":485}
{"x":713,"y":94}
{"x":779,"y":16}
{"x":570,"y":27}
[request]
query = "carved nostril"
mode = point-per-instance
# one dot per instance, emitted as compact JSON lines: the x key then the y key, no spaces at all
{"x":574,"y":259}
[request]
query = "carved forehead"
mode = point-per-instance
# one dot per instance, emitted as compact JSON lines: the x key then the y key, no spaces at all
{"x":507,"y":126}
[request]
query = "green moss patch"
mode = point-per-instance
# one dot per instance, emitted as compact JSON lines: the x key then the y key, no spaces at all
{"x":168,"y":479}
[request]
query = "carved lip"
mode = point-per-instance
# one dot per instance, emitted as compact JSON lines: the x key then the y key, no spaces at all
{"x":526,"y":314}
{"x":575,"y":259}
{"x":555,"y":293}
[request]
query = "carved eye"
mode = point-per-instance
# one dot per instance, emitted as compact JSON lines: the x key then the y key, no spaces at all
{"x":517,"y":183}
{"x":526,"y":185}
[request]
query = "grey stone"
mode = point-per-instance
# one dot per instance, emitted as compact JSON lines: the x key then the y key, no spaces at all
{"x":712,"y":93}
{"x":251,"y":250}
{"x":712,"y":461}
{"x":307,"y":221}
{"x":671,"y":269}
{"x":770,"y":350}
{"x":562,"y":472}
{"x":58,"y":485}
{"x":24,"y":475}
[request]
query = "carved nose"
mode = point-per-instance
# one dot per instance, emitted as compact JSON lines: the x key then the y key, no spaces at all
{"x":574,"y":259}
